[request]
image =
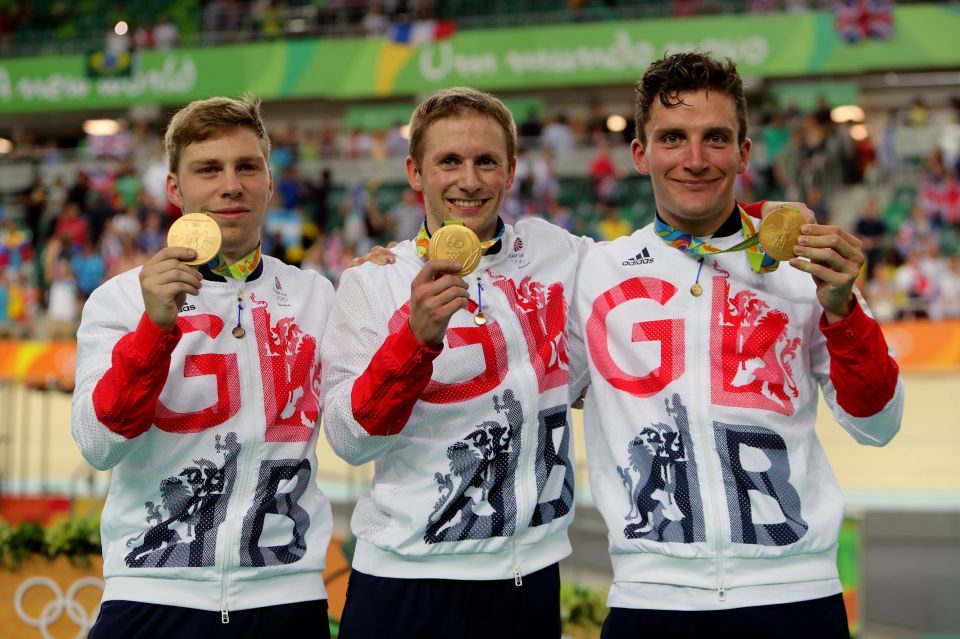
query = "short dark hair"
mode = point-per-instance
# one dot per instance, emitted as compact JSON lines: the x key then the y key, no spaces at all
{"x":678,"y":73}
{"x":207,"y":119}
{"x":454,"y":101}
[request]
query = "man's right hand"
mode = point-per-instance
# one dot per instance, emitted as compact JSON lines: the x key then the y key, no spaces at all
{"x":436,"y":293}
{"x":165,"y":281}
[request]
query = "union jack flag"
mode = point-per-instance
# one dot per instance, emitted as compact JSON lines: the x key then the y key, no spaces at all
{"x":858,"y":20}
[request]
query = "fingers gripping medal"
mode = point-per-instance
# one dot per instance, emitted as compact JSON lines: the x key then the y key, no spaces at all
{"x":459,"y":243}
{"x":196,"y":231}
{"x":779,"y":231}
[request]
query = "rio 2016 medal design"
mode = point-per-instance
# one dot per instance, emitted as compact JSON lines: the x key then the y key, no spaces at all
{"x":779,"y":232}
{"x":199,"y":232}
{"x":457,"y":242}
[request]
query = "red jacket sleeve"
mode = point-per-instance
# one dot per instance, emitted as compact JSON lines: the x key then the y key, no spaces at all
{"x":755,"y":209}
{"x":861,"y":369}
{"x":384,"y":394}
{"x":125,"y":397}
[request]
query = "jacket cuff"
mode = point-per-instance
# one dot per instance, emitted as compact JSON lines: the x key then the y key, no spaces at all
{"x":861,"y":369}
{"x":384,"y":395}
{"x":407,"y":347}
{"x":150,"y":344}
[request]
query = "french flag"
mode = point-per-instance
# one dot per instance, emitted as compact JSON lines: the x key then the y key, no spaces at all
{"x":422,"y":31}
{"x":858,"y":20}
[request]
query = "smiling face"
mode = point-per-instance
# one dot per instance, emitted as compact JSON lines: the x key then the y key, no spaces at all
{"x":464,"y":173}
{"x":693,"y":158}
{"x":228,"y":177}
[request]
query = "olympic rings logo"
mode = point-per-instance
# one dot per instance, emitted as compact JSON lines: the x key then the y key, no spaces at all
{"x":61,"y":602}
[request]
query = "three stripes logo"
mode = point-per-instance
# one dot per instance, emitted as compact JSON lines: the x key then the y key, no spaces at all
{"x":643,"y":257}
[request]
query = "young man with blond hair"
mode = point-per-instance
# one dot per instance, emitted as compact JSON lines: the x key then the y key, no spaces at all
{"x":199,"y":388}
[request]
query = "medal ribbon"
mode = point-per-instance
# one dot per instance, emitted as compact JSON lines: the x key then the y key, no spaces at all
{"x":759,"y":261}
{"x":422,"y":240}
{"x":240,"y":269}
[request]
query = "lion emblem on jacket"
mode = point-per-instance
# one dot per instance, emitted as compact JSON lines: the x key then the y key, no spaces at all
{"x":656,"y":480}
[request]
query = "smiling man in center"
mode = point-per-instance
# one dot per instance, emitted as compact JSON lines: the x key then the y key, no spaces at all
{"x":473,"y":489}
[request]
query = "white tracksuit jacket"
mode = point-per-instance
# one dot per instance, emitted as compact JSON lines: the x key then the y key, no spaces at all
{"x":474,"y":469}
{"x":700,"y":420}
{"x":213,"y":502}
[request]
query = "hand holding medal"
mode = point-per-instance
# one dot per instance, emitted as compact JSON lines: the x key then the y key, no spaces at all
{"x":196,"y":231}
{"x":169,"y":276}
{"x":457,"y":242}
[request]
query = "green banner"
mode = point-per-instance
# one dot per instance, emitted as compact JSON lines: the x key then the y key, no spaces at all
{"x":773,"y":45}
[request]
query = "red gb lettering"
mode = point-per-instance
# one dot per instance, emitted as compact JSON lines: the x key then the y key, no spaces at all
{"x":222,"y":366}
{"x":492,"y":343}
{"x":542,"y":313}
{"x":291,"y":382}
{"x":668,"y":332}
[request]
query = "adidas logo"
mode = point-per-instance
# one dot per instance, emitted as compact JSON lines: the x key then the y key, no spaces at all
{"x":643,"y":257}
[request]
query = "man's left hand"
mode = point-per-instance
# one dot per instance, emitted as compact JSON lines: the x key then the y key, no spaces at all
{"x":835,"y":259}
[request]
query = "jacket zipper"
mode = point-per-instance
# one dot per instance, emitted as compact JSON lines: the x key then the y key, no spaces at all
{"x":707,"y":436}
{"x":240,"y":488}
{"x":526,"y":433}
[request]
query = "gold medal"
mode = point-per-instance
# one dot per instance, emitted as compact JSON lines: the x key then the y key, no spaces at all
{"x":480,"y":319}
{"x":696,"y":290}
{"x":457,"y":242}
{"x":199,"y":232}
{"x":779,"y":231}
{"x":238,"y":332}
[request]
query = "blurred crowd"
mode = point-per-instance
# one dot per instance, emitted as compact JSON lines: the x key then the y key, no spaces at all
{"x":66,"y":232}
{"x":29,"y":28}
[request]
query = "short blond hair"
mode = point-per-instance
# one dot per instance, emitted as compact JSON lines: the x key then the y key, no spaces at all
{"x":455,"y":101}
{"x":206,"y":119}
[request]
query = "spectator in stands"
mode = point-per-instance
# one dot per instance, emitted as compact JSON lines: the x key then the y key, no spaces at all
{"x":872,"y":231}
{"x":375,"y":24}
{"x":153,"y":237}
{"x":603,"y":172}
{"x":130,"y":257}
{"x":5,"y":286}
{"x":546,"y":186}
{"x":142,"y":37}
{"x":915,"y":231}
{"x":79,"y":190}
{"x":405,"y":217}
{"x":268,"y":18}
{"x":33,"y":200}
{"x":947,"y":303}
{"x":165,"y":33}
{"x":72,"y":226}
{"x":939,"y":194}
{"x":611,"y":225}
{"x":597,"y":128}
{"x":558,"y":136}
{"x":63,"y":306}
{"x":127,"y":185}
{"x":816,"y":202}
{"x":561,"y":216}
{"x":881,"y":292}
{"x":913,"y":285}
{"x":320,"y":200}
{"x":530,"y":129}
{"x":775,"y":134}
{"x":128,"y":224}
{"x":397,"y":145}
{"x":291,"y":188}
{"x":89,"y":268}
{"x":919,"y":113}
